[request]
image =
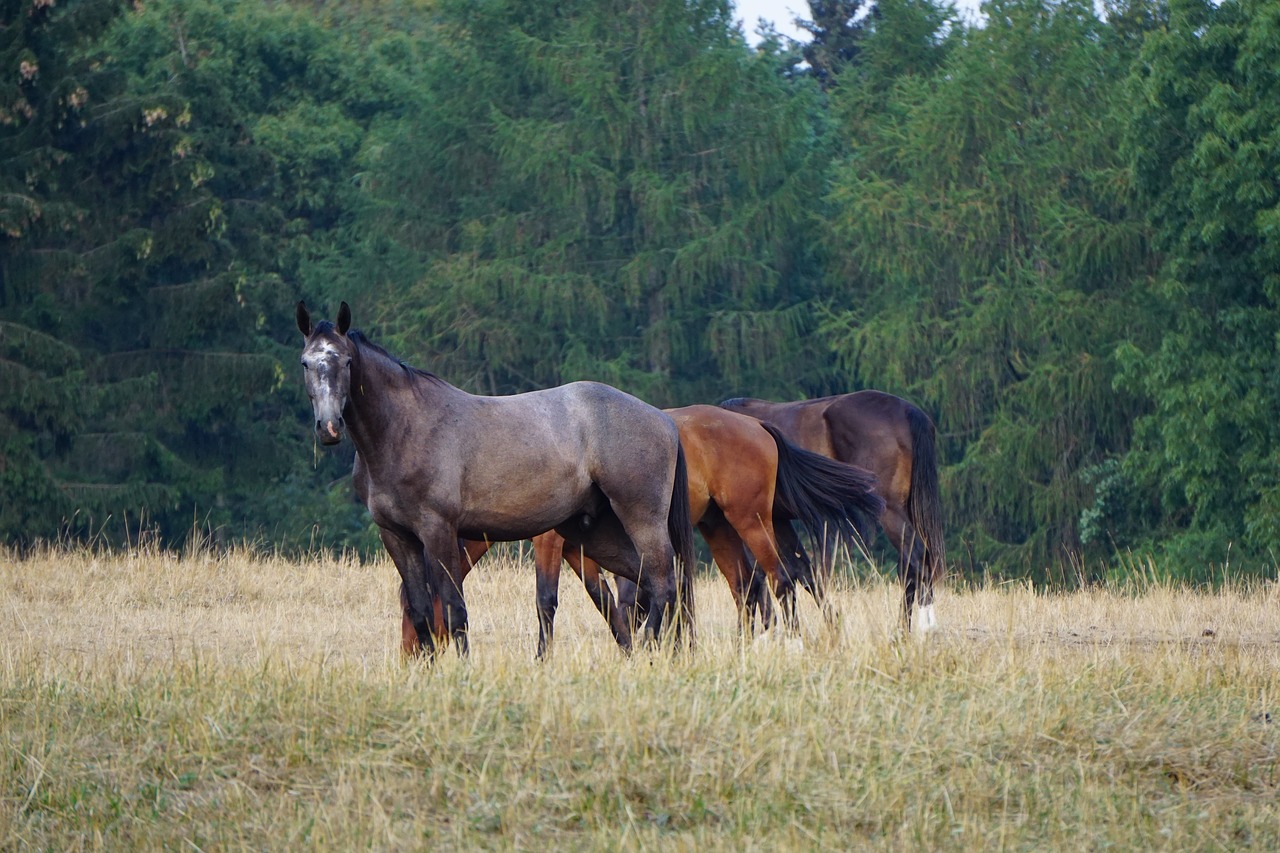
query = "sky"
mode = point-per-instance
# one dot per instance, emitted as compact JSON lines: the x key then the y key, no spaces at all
{"x":784,"y":12}
{"x":781,"y":12}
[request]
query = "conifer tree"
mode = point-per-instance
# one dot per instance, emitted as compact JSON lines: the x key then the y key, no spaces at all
{"x":605,"y":190}
{"x":836,"y":34}
{"x":195,"y":166}
{"x":49,"y":399}
{"x":1202,"y":138}
{"x":987,"y":253}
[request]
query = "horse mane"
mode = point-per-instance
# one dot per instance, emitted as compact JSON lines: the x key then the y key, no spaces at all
{"x":363,"y":344}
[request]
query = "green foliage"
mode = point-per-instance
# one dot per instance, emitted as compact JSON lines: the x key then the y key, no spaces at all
{"x":47,"y":258}
{"x":989,"y":252}
{"x":1204,"y":147}
{"x":1054,"y":231}
{"x":614,"y":191}
{"x":836,"y":34}
{"x":196,"y":166}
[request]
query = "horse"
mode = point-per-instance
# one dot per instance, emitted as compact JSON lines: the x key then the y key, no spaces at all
{"x":897,"y":441}
{"x":746,"y":484}
{"x":435,"y":464}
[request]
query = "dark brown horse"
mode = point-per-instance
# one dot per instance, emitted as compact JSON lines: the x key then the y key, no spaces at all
{"x":746,"y":485}
{"x":896,"y":441}
{"x":435,"y":464}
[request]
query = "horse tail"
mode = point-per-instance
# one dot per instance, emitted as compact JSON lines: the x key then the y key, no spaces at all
{"x":924,"y":504}
{"x":825,"y":496}
{"x":680,"y":529}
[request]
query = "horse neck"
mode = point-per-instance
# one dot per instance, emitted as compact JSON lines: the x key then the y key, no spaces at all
{"x":383,"y":396}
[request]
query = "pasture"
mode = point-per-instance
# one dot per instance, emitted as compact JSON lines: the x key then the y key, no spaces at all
{"x":202,"y":701}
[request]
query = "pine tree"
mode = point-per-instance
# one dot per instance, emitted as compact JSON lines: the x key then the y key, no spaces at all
{"x":836,"y":36}
{"x":197,"y":169}
{"x":603,"y":190}
{"x":1203,"y":142}
{"x":49,"y":400}
{"x":990,"y":263}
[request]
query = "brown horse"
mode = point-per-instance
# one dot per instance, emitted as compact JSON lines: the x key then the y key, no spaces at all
{"x":746,"y":484}
{"x":435,"y":464}
{"x":896,"y":441}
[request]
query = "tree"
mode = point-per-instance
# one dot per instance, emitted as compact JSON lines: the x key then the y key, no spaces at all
{"x":986,"y":254}
{"x":1203,"y":143}
{"x":602,"y":190}
{"x":194,"y":174}
{"x":837,"y":33}
{"x":66,"y":444}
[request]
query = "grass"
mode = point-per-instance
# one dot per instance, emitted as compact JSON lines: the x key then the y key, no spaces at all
{"x":151,"y":700}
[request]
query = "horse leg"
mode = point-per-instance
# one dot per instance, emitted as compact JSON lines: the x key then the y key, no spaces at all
{"x":633,"y":607}
{"x":417,"y":597}
{"x":656,"y":580}
{"x":601,"y":596}
{"x":799,"y":568}
{"x":729,"y":555}
{"x":917,"y":590}
{"x":639,"y":549}
{"x":409,"y":645}
{"x":548,"y":549}
{"x":749,"y":582}
{"x":447,"y":568}
{"x":759,"y":599}
{"x":472,"y":551}
{"x":753,"y":527}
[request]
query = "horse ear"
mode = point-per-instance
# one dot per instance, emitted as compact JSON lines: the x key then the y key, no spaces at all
{"x":304,"y":320}
{"x":344,"y":318}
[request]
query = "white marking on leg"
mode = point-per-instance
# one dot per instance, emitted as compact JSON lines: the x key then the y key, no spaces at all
{"x":926,"y":620}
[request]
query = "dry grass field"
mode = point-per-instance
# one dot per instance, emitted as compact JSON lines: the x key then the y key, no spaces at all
{"x":212,"y":702}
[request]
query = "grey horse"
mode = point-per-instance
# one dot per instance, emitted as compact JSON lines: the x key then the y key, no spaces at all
{"x":435,"y":465}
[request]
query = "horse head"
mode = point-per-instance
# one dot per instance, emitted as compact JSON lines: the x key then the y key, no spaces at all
{"x":326,"y":365}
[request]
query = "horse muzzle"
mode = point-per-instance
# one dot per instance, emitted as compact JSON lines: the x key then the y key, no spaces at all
{"x":329,"y":431}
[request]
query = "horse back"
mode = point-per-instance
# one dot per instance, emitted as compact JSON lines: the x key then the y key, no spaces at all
{"x":802,"y":422}
{"x":873,"y":430}
{"x":620,"y":431}
{"x":725,"y":453}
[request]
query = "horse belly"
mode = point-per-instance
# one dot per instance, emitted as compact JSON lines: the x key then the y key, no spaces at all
{"x":523,"y":504}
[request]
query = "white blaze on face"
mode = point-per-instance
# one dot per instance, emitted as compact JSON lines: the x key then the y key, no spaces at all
{"x":323,"y":356}
{"x":326,"y":349}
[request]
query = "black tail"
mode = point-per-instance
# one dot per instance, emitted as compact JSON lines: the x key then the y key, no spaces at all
{"x":680,"y":528}
{"x":827,"y":497}
{"x":924,"y":503}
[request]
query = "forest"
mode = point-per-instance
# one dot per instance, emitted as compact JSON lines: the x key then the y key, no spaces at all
{"x":1055,"y":229}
